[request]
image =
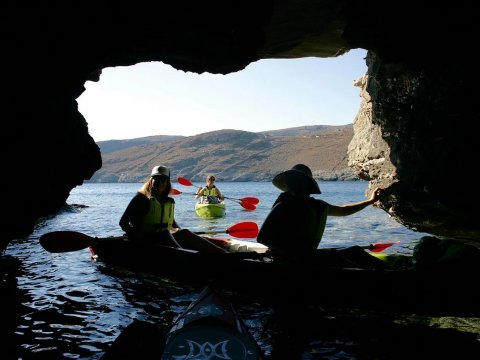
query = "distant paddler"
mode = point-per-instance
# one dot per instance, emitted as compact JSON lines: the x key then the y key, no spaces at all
{"x":210,"y":193}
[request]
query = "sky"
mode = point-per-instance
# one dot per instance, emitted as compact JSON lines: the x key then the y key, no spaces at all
{"x":156,"y":99}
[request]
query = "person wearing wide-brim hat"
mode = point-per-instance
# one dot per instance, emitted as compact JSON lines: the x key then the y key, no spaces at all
{"x":298,"y":178}
{"x":295,"y":225}
{"x":150,"y":216}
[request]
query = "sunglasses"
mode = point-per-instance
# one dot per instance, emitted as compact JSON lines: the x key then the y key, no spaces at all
{"x":161,"y":178}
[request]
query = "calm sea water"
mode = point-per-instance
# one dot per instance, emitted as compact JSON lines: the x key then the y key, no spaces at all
{"x":76,"y":307}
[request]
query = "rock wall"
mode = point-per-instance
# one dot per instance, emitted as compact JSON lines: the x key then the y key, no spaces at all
{"x":425,"y":115}
{"x":368,"y":153}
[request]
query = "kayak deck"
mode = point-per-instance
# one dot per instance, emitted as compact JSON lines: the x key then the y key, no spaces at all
{"x":209,"y":328}
{"x":210,"y":210}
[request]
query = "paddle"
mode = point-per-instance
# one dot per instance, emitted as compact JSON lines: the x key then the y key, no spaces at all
{"x":247,"y":202}
{"x":245,"y":205}
{"x":175,"y":192}
{"x":248,"y":199}
{"x":66,"y":241}
{"x":184,"y":181}
{"x":243,"y":230}
{"x":379,"y":247}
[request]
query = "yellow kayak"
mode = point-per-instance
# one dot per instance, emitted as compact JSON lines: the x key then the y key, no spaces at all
{"x":210,"y":210}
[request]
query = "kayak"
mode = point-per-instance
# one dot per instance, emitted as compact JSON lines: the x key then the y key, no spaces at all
{"x":176,"y":263}
{"x":209,"y":328}
{"x":210,"y":210}
{"x":249,"y":270}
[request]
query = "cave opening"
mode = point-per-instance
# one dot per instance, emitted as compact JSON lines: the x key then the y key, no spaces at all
{"x":149,"y":99}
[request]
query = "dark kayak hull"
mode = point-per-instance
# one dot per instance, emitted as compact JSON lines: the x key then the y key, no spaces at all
{"x":305,"y":282}
{"x":209,"y":328}
{"x":177,"y":263}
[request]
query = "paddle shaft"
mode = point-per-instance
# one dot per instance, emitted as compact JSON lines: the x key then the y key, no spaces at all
{"x":66,"y":241}
{"x":372,"y":247}
{"x":247,"y":202}
{"x":210,"y":232}
{"x":248,"y":199}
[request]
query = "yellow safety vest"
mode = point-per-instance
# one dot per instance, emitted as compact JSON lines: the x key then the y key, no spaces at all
{"x":210,"y":192}
{"x":160,"y":216}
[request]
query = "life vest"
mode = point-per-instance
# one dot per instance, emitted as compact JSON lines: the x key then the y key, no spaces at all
{"x":160,"y":216}
{"x":210,"y":196}
{"x":210,"y":192}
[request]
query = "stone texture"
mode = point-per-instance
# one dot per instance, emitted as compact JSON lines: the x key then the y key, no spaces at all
{"x":368,"y":153}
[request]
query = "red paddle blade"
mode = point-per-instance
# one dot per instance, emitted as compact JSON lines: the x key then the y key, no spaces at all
{"x":381,"y":247}
{"x":247,"y":229}
{"x":175,"y":192}
{"x":65,"y":241}
{"x":247,"y":205}
{"x":183,"y":181}
{"x":251,"y":200}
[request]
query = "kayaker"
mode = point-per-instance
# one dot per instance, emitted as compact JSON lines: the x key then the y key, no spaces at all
{"x":150,"y":216}
{"x":210,"y":194}
{"x":295,"y":225}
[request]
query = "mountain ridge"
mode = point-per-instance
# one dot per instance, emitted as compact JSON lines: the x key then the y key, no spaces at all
{"x":237,"y":155}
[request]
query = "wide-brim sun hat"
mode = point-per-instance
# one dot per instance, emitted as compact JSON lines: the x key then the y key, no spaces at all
{"x":160,"y":171}
{"x":299,"y":177}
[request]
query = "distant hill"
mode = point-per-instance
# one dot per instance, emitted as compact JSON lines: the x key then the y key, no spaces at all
{"x":302,"y":130}
{"x":232,"y":155}
{"x":109,"y":146}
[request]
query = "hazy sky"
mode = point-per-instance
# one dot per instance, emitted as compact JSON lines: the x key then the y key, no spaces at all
{"x":156,"y":99}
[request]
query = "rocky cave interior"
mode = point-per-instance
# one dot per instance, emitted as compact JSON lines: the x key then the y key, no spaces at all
{"x":414,"y":132}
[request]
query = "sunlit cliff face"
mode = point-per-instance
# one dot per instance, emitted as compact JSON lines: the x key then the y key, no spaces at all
{"x":421,"y":106}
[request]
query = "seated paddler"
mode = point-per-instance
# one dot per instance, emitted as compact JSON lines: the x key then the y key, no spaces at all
{"x":210,"y":193}
{"x":295,"y":224}
{"x":150,"y":216}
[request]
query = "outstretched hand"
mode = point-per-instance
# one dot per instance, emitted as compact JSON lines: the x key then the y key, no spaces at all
{"x":376,"y":194}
